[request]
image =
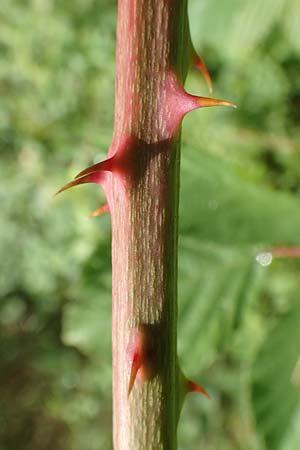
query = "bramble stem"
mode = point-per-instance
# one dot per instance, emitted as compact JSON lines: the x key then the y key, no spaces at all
{"x":151,"y":38}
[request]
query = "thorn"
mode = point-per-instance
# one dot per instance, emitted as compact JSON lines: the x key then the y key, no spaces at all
{"x":204,"y":102}
{"x":200,"y":65}
{"x":103,"y":209}
{"x":135,"y":366}
{"x":194,"y":387}
{"x":105,"y":165}
{"x":179,"y":103}
{"x":95,"y":177}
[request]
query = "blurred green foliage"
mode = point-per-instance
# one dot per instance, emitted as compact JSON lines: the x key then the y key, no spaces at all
{"x":239,"y":321}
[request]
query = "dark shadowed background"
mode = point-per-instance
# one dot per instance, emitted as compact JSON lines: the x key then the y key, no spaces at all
{"x":239,"y":325}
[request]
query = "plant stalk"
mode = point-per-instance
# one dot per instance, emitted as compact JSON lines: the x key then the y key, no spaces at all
{"x":151,"y":38}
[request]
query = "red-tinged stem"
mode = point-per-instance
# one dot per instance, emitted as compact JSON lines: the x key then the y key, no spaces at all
{"x":285,"y":252}
{"x":151,"y":36}
{"x":140,"y":177}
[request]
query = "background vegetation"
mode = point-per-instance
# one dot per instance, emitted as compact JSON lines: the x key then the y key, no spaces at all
{"x":239,"y":325}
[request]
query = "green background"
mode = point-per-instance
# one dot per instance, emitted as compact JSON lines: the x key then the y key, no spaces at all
{"x":239,"y":324}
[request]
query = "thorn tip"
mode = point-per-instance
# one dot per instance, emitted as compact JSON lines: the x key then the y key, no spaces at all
{"x":103,"y":209}
{"x":105,"y":165}
{"x":201,"y":66}
{"x":204,"y":102}
{"x":135,"y":366}
{"x":194,"y":387}
{"x":94,"y":177}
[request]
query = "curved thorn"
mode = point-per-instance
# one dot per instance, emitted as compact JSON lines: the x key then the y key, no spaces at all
{"x":105,"y":165}
{"x":204,"y":102}
{"x":103,"y":209}
{"x":194,"y":387}
{"x":94,"y":177}
{"x":135,"y":366}
{"x":200,"y":65}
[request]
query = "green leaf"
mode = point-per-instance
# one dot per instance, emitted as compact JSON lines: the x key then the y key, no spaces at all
{"x":276,"y":380}
{"x":216,"y":286}
{"x":236,"y":26}
{"x":228,"y":209}
{"x":291,"y":24}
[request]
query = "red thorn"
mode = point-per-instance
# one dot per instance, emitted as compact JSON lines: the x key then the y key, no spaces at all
{"x":200,"y":65}
{"x":95,"y":177}
{"x":204,"y":102}
{"x":103,"y":209}
{"x":194,"y":387}
{"x":135,"y":366}
{"x":105,"y":165}
{"x":179,"y":103}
